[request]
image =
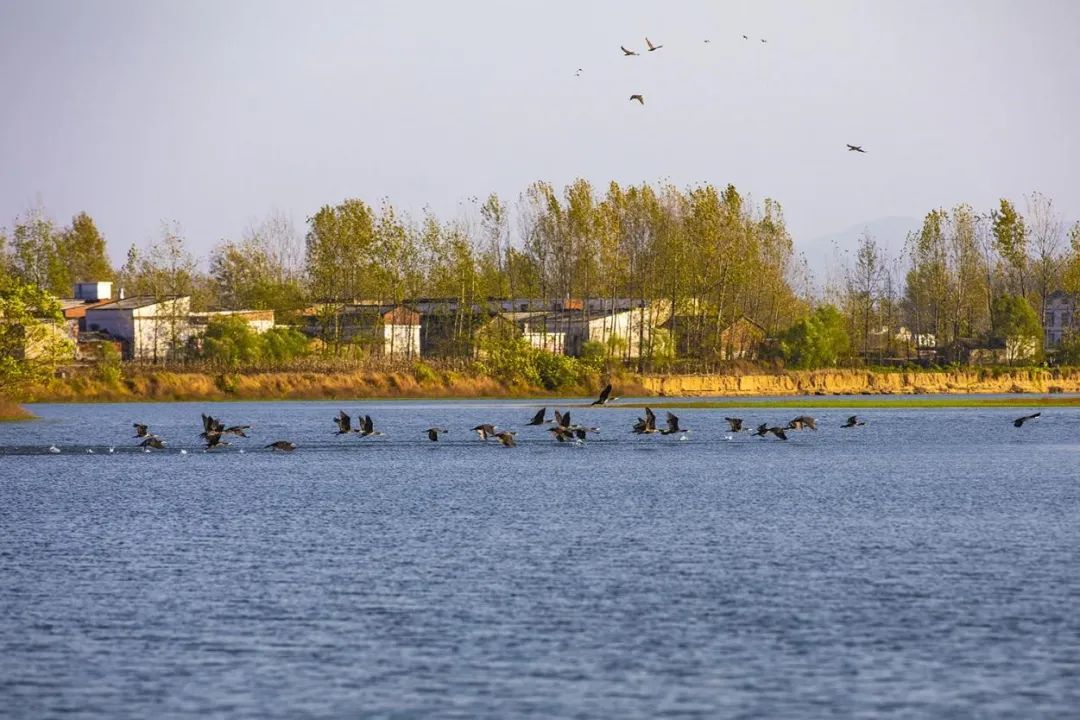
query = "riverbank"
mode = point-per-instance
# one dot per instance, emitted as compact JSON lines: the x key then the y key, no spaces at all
{"x":13,"y":411}
{"x":865,"y":382}
{"x":180,"y":386}
{"x":161,"y":385}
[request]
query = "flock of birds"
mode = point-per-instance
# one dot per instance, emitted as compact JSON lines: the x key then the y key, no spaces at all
{"x":652,"y":47}
{"x":562,"y":429}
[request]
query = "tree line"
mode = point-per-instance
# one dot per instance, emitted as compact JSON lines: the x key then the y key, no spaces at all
{"x":710,"y":255}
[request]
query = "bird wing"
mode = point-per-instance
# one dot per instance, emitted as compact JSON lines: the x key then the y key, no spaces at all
{"x":538,"y":418}
{"x":649,"y":43}
{"x":627,"y":52}
{"x":672,"y":423}
{"x":558,"y":418}
{"x":566,"y":419}
{"x":605,"y":393}
{"x":779,"y":432}
{"x":369,"y":426}
{"x":650,"y":419}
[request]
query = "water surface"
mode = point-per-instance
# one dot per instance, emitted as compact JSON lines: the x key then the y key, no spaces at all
{"x":924,"y":565}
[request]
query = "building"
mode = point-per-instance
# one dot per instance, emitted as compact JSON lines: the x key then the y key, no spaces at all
{"x":381,"y":329}
{"x":701,"y":336}
{"x":150,"y":329}
{"x":1059,"y":317}
{"x":625,"y":328}
{"x":258,"y":320}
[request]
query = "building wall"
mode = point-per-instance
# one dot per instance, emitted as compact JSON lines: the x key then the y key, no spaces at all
{"x":149,"y":332}
{"x":1058,"y":321}
{"x":401,"y":340}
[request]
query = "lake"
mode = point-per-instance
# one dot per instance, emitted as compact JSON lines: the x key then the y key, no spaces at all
{"x":926,"y":564}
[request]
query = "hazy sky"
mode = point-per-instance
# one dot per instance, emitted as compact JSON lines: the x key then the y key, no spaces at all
{"x":215,"y":113}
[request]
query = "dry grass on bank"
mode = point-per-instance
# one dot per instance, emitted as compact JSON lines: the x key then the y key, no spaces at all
{"x":13,"y":411}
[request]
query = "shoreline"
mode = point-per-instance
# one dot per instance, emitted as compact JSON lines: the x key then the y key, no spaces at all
{"x":835,"y":388}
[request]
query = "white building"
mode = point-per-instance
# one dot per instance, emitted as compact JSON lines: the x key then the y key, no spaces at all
{"x":1058,"y":320}
{"x":258,"y":320}
{"x":151,"y":329}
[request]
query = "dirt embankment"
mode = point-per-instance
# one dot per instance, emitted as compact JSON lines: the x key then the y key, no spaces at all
{"x":167,"y":385}
{"x":855,"y":382}
{"x":13,"y":411}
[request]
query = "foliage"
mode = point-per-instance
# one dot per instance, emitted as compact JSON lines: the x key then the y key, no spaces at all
{"x":819,"y":340}
{"x":30,"y":318}
{"x":230,"y":342}
{"x":109,"y":368}
{"x":1016,"y":322}
{"x":1068,"y":350}
{"x":593,"y":355}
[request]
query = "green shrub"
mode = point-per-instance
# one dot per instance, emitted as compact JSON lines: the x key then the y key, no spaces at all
{"x":109,"y":367}
{"x":424,"y":373}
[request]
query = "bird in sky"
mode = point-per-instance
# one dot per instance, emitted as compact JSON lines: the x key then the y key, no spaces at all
{"x":627,"y":52}
{"x":745,"y":37}
{"x":578,"y":73}
{"x":651,"y":46}
{"x":1019,"y":422}
{"x":855,"y":148}
{"x":764,"y":40}
{"x":639,"y":98}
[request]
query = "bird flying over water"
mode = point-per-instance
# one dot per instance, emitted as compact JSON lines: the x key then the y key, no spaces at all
{"x":152,"y":441}
{"x":214,"y":440}
{"x":282,"y":445}
{"x":538,"y":418}
{"x":735,"y":424}
{"x":672,"y":425}
{"x":344,"y":423}
{"x":485,"y":430}
{"x":506,"y":438}
{"x":778,"y":432}
{"x":802,"y":422}
{"x":853,"y":421}
{"x":855,"y":148}
{"x":140,"y":430}
{"x":651,"y":46}
{"x":605,"y":395}
{"x":627,"y":52}
{"x":1018,"y":422}
{"x":639,"y":98}
{"x":646,"y":424}
{"x":433,"y":433}
{"x":367,"y":427}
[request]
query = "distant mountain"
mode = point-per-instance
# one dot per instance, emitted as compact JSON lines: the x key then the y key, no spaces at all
{"x":825,"y":255}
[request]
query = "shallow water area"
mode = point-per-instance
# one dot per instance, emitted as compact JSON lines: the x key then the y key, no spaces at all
{"x":922,"y":565}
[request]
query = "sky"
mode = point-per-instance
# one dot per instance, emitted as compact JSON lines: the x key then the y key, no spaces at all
{"x":216,"y":113}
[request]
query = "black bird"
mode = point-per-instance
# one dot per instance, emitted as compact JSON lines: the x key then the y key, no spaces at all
{"x":639,"y":98}
{"x":778,"y":432}
{"x":1018,"y":422}
{"x":627,"y":52}
{"x":672,"y":425}
{"x":802,"y":422}
{"x":578,"y":73}
{"x":764,"y":40}
{"x":651,"y":46}
{"x":152,"y":441}
{"x":853,"y":421}
{"x":485,"y":431}
{"x":762,"y":430}
{"x":237,"y":430}
{"x":140,"y":430}
{"x":367,"y":427}
{"x":605,"y":396}
{"x":735,"y":424}
{"x":214,"y":440}
{"x":855,"y":148}
{"x":562,"y":434}
{"x":646,"y":424}
{"x":563,"y":419}
{"x":538,"y":418}
{"x":433,"y":433}
{"x":211,"y":426}
{"x":344,"y":423}
{"x":506,"y":438}
{"x":282,"y":445}
{"x":745,"y":37}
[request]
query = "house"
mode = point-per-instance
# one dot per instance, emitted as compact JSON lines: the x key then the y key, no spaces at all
{"x":1059,"y":317}
{"x":382,"y":329}
{"x":533,"y":327}
{"x":625,"y":328}
{"x":150,"y":328}
{"x":86,"y":295}
{"x":698,"y":335}
{"x":258,"y":320}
